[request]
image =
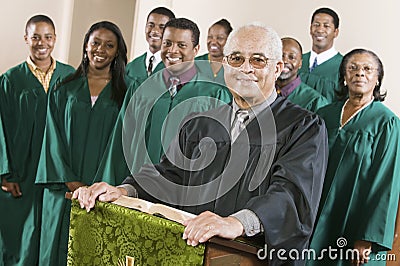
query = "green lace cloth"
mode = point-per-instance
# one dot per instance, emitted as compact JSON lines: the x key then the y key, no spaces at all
{"x":109,"y":233}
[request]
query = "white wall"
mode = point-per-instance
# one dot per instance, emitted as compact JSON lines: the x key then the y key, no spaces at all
{"x":13,"y":18}
{"x":88,"y":12}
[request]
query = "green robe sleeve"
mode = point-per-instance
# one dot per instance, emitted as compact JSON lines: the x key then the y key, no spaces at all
{"x":362,"y":183}
{"x":4,"y":167}
{"x":378,"y":215}
{"x":307,"y":98}
{"x":76,"y":134}
{"x":54,"y":159}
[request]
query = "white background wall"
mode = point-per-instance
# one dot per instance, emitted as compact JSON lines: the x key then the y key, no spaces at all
{"x":363,"y":23}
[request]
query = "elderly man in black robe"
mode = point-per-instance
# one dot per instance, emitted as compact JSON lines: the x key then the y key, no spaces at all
{"x":255,"y":166}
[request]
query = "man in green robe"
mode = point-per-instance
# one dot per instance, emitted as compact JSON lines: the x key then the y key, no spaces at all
{"x":150,"y":62}
{"x":4,"y":164}
{"x":150,"y":115}
{"x":320,"y":67}
{"x":23,"y":103}
{"x":289,"y":84}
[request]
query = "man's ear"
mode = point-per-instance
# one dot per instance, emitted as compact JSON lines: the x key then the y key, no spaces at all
{"x":336,"y":32}
{"x":196,"y":49}
{"x":278,"y":68}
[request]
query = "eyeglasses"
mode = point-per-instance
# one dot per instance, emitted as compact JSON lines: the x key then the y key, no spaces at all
{"x":368,"y":69}
{"x":257,"y":61}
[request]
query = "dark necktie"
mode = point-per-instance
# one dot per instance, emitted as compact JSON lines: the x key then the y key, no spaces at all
{"x":314,"y":65}
{"x":150,"y":67}
{"x":241,"y":116}
{"x":173,"y":87}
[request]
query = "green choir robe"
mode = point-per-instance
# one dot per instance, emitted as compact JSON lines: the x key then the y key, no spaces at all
{"x":149,"y":119}
{"x":75,"y":138}
{"x":4,"y":164}
{"x":137,"y":68}
{"x":361,"y":190}
{"x":307,"y":98}
{"x":205,"y":68}
{"x":23,"y":102}
{"x":324,"y":78}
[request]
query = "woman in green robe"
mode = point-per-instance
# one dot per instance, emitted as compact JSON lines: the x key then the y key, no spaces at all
{"x":360,"y":197}
{"x":23,"y":102}
{"x":81,"y":115}
{"x":216,"y":39}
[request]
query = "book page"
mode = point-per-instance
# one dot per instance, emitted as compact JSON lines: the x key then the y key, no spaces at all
{"x":154,"y":208}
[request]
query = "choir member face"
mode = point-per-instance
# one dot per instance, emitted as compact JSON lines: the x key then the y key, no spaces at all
{"x":323,"y":32}
{"x":216,"y":40}
{"x":101,"y":48}
{"x":291,"y":58}
{"x":361,"y":75}
{"x":154,"y":30}
{"x":40,"y":37}
{"x":177,"y":50}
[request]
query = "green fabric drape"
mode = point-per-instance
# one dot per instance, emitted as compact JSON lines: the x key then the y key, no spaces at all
{"x":110,"y":232}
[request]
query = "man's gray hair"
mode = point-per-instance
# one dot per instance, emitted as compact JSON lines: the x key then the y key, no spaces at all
{"x":274,"y":43}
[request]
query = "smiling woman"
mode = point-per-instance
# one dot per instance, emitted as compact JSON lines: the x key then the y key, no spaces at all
{"x":82,"y":113}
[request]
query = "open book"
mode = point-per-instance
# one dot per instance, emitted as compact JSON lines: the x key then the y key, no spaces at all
{"x":154,"y":208}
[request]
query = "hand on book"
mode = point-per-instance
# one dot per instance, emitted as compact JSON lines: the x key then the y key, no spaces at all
{"x":208,"y":224}
{"x":102,"y":191}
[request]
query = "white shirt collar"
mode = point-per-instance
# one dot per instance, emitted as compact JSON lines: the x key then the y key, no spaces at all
{"x":322,"y":57}
{"x":255,"y":110}
{"x":157,"y":58}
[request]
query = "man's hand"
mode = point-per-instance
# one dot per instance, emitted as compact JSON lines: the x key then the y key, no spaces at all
{"x":104,"y":192}
{"x":208,"y":224}
{"x":364,"y":250}
{"x":11,"y":187}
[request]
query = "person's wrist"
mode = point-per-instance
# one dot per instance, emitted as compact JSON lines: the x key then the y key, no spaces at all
{"x":237,"y":225}
{"x":123,"y":191}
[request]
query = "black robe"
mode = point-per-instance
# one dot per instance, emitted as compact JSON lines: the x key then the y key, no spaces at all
{"x":277,"y":172}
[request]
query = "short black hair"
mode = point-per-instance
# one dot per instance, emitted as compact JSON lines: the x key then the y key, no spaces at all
{"x":162,"y":11}
{"x":39,"y":18}
{"x":185,"y":24}
{"x":296,"y":41}
{"x":225,"y":24}
{"x":330,"y":12}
